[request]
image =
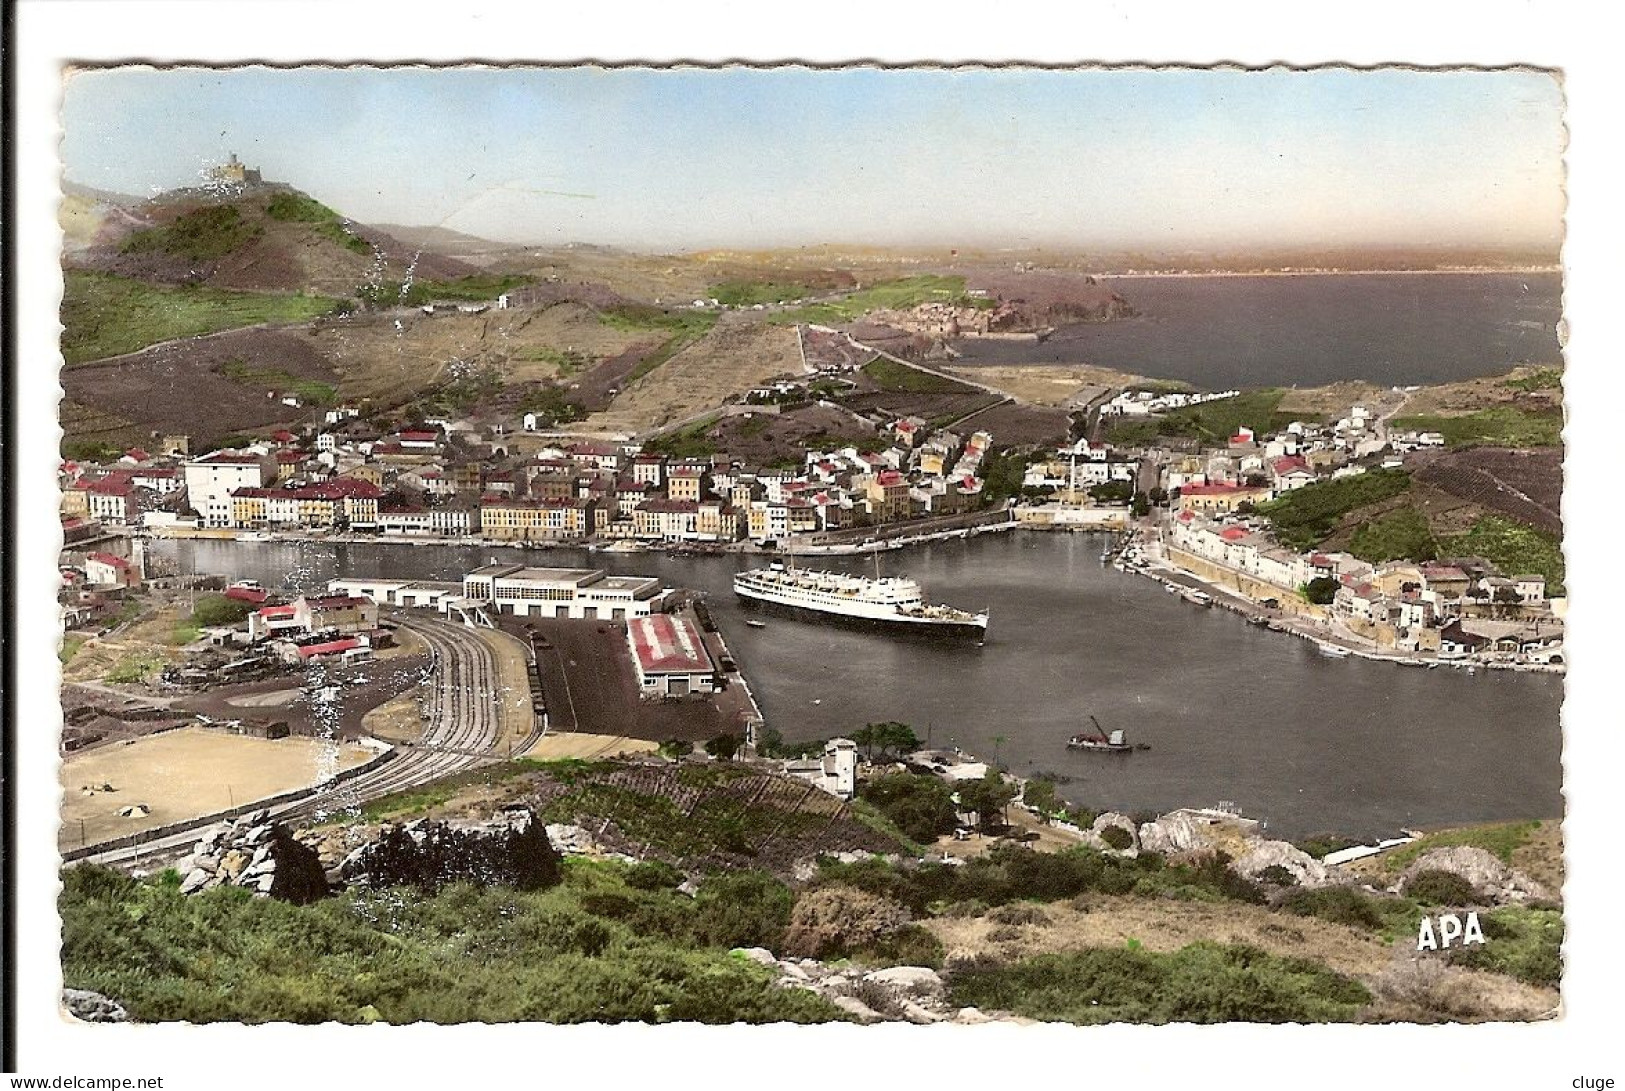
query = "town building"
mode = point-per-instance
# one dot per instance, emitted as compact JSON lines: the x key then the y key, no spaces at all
{"x":211,"y":480}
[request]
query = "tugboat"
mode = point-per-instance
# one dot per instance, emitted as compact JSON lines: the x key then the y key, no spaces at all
{"x":1098,"y":742}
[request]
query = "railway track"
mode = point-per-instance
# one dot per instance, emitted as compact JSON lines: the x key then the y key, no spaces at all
{"x":461,"y":732}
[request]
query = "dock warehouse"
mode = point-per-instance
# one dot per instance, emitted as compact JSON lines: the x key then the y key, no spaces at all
{"x":670,"y":656}
{"x":579,"y":593}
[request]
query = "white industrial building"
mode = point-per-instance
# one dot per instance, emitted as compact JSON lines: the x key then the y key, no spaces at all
{"x":579,"y":593}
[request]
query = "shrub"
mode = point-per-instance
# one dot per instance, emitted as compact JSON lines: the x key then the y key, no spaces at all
{"x":1117,"y":837}
{"x":1202,"y":983}
{"x":831,"y":921}
{"x":653,"y":875}
{"x":910,"y":945}
{"x":1522,"y":942}
{"x":1338,"y":904}
{"x":742,"y":909}
{"x":922,"y":807}
{"x":1435,"y":887}
{"x":961,"y":910}
{"x":1276,"y":875}
{"x":1018,"y":913}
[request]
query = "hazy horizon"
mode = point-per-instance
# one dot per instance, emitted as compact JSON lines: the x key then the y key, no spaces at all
{"x":1206,"y":162}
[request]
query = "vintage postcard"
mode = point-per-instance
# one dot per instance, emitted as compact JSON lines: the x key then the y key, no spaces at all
{"x":945,"y":546}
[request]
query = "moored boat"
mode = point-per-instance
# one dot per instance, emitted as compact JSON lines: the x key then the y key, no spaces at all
{"x":892,"y":602}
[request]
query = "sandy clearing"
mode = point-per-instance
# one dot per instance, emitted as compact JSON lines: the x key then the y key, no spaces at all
{"x":186,"y":774}
{"x":1045,"y":384}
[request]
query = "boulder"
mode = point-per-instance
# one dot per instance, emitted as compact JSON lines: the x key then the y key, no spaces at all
{"x":759,"y":955}
{"x":914,"y":980}
{"x":1481,"y":868}
{"x":196,"y":880}
{"x":1113,"y":820}
{"x":1260,"y":855}
{"x":853,"y":1006}
{"x":1178,"y":832}
{"x":233,"y":863}
{"x":918,"y":1015}
{"x":93,"y":1007}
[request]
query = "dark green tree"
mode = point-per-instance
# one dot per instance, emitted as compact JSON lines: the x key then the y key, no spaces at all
{"x":1039,"y":794}
{"x":676,"y":749}
{"x":987,"y":798}
{"x":921,"y":806}
{"x":723,"y":747}
{"x":1321,"y":590}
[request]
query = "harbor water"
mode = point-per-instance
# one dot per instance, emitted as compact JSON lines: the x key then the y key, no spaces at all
{"x":1231,"y":712}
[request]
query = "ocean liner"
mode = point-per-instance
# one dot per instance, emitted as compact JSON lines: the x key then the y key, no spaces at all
{"x":892,"y":602}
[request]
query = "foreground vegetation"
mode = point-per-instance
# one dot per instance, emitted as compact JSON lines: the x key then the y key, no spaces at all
{"x":105,"y":315}
{"x":1202,"y":983}
{"x":596,"y":948}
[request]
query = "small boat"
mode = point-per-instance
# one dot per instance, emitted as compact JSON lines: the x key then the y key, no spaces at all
{"x":755,"y":624}
{"x":1332,"y":651}
{"x":1261,"y":622}
{"x":1099,"y":742}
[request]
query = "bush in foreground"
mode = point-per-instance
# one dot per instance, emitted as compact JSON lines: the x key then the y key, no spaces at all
{"x":1203,"y":983}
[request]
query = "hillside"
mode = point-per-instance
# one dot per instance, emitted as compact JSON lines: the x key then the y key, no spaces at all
{"x":268,"y":238}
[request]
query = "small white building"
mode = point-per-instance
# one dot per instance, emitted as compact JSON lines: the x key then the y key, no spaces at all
{"x":835,"y":772}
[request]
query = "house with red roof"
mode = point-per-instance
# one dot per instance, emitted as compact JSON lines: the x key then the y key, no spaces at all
{"x":108,"y":570}
{"x":1290,"y":472}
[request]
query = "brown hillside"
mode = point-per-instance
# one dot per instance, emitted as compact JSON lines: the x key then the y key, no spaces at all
{"x":257,"y":252}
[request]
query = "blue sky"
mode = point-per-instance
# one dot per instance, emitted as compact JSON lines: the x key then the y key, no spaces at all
{"x":686,"y":158}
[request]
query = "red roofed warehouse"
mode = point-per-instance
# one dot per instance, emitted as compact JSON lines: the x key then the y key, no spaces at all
{"x":670,"y":656}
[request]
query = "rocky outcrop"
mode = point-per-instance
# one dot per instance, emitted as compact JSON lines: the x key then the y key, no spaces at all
{"x":1176,"y":832}
{"x":576,"y":841}
{"x":1481,"y":868}
{"x":908,"y":994}
{"x":511,"y":849}
{"x":93,"y":1007}
{"x":258,"y":854}
{"x":1263,"y":855}
{"x":1111,"y":820}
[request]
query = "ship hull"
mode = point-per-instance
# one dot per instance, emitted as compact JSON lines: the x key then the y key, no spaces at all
{"x":927,"y":628}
